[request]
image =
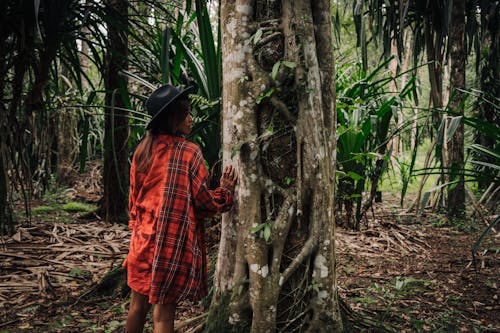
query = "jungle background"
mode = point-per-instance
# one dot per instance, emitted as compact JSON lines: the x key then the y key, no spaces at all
{"x":417,"y":180}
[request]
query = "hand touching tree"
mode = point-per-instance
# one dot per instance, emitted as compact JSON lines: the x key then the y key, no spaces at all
{"x":229,"y":178}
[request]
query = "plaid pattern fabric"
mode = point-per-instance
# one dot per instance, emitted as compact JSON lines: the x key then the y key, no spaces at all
{"x":167,"y":257}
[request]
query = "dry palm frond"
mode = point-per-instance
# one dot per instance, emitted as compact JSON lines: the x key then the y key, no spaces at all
{"x":39,"y":261}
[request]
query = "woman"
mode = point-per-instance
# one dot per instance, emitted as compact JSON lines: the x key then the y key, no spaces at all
{"x":168,"y":199}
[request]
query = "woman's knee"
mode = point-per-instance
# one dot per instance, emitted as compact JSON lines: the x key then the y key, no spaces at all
{"x":164,"y":312}
{"x":139,"y":303}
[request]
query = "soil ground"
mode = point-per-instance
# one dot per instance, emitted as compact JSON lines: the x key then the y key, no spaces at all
{"x":399,"y":273}
{"x":415,"y":274}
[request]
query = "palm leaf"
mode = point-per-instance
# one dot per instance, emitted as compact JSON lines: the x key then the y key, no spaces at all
{"x":209,"y":55}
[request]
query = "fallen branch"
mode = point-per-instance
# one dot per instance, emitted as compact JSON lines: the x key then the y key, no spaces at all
{"x":190,"y":321}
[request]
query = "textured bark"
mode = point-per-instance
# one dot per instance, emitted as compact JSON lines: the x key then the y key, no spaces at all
{"x":6,"y":221}
{"x":396,"y":142}
{"x":5,"y":216}
{"x":115,"y":175}
{"x":434,"y":65}
{"x":489,"y":81}
{"x":399,"y":67}
{"x":456,"y":194}
{"x":284,"y":149}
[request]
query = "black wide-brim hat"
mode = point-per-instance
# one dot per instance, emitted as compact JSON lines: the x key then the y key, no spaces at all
{"x":161,"y":98}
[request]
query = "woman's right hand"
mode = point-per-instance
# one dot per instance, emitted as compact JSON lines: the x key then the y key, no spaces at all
{"x":229,"y":178}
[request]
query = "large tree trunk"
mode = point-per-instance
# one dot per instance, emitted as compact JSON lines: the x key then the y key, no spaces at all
{"x":276,"y":258}
{"x":456,"y":193}
{"x":115,"y":177}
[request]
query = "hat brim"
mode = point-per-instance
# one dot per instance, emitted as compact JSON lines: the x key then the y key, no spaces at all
{"x":184,"y":92}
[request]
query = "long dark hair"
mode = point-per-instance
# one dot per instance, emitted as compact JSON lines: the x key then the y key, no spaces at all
{"x":167,"y":123}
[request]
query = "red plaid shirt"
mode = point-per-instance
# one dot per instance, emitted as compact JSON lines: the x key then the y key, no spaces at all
{"x":167,"y":256}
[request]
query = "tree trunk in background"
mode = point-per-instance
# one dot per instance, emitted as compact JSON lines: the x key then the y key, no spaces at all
{"x":67,"y":139}
{"x":40,"y":121}
{"x":85,"y":55}
{"x":456,"y":192}
{"x":434,"y":65}
{"x":5,"y":216}
{"x":6,"y":220}
{"x":397,"y":141}
{"x":116,"y":172}
{"x":489,"y":82}
{"x":276,"y":259}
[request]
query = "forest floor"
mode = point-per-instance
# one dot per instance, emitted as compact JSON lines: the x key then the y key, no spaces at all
{"x":399,"y":273}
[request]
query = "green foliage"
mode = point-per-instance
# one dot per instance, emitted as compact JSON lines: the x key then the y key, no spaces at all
{"x":407,"y":285}
{"x":264,"y":95}
{"x":185,"y":53}
{"x":276,"y":67}
{"x":75,"y":272}
{"x":78,"y":207}
{"x":262,"y":230}
{"x":481,"y":163}
{"x":43,"y":209}
{"x":365,"y":107}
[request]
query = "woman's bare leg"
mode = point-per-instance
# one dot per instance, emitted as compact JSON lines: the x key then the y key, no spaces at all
{"x":163,"y":318}
{"x":137,"y":312}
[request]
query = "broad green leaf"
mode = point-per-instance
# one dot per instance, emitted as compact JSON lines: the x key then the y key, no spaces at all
{"x":258,"y":228}
{"x":209,"y":54}
{"x":264,"y":95}
{"x":267,"y":232}
{"x":452,"y":127}
{"x":340,"y":174}
{"x":488,"y":165}
{"x":484,"y":150}
{"x":138,"y":79}
{"x":258,"y":35}
{"x":354,"y":175}
{"x":275,"y":69}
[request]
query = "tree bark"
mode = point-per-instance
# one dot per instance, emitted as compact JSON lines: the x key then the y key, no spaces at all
{"x":6,"y":220}
{"x":115,"y":175}
{"x":434,"y":65}
{"x":279,"y":130}
{"x":489,"y":81}
{"x":456,"y":192}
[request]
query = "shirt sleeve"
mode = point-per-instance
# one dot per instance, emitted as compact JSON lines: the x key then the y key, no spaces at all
{"x":207,"y":202}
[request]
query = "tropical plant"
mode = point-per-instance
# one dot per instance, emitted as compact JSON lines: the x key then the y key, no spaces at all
{"x":194,"y":46}
{"x":365,"y":107}
{"x":476,"y":170}
{"x":181,"y":50}
{"x":60,"y":48}
{"x":445,"y":30}
{"x":37,"y":39}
